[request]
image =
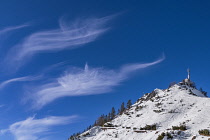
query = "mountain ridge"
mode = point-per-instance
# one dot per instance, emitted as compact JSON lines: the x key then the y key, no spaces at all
{"x":161,"y":114}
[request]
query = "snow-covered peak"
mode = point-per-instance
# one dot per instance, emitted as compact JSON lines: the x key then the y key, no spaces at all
{"x":177,"y":88}
{"x":158,"y":112}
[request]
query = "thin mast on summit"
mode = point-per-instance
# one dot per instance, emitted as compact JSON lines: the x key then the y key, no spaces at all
{"x":188,"y":71}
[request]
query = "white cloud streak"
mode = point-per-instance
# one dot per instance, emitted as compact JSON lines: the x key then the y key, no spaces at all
{"x":19,"y":79}
{"x":79,"y":82}
{"x":12,"y":28}
{"x":69,"y":35}
{"x":38,"y":76}
{"x":36,"y":129}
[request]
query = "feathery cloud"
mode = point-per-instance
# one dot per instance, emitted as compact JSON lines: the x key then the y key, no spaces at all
{"x":79,"y":82}
{"x":69,"y":35}
{"x":12,"y":28}
{"x":35,"y":129}
{"x":19,"y":79}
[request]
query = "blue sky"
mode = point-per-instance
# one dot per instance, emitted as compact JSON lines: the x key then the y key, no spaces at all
{"x":64,"y":63}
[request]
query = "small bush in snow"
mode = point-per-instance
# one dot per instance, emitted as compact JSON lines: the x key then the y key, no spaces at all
{"x":149,"y":127}
{"x":138,"y":115}
{"x":204,"y":132}
{"x":162,"y":135}
{"x":194,"y":137}
{"x":158,"y":104}
{"x":86,"y":134}
{"x":169,"y":136}
{"x":172,"y":111}
{"x":181,"y":127}
{"x":138,"y":108}
{"x":179,"y":132}
{"x":108,"y":124}
{"x":157,"y":111}
{"x":152,"y":100}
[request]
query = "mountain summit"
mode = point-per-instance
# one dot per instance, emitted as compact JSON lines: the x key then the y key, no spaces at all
{"x":178,"y":112}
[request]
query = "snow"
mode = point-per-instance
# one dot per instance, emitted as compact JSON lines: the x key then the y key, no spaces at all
{"x":179,"y":104}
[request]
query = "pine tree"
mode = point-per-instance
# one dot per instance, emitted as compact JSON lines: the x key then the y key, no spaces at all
{"x":95,"y":123}
{"x":106,"y":118}
{"x":109,"y":117}
{"x":129,"y":103}
{"x":122,"y":108}
{"x":113,"y":113}
{"x":100,"y":121}
{"x":118,"y":112}
{"x":89,"y":127}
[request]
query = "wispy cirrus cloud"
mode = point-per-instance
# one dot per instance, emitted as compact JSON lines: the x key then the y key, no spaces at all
{"x":43,"y":73}
{"x":19,"y":79}
{"x":36,"y":129}
{"x":88,"y":81}
{"x":69,"y":35}
{"x":12,"y":28}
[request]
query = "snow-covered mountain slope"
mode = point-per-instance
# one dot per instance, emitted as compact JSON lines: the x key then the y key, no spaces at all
{"x":179,"y":105}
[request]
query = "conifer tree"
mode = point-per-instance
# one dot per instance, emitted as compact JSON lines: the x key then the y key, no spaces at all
{"x":129,"y":103}
{"x":100,"y":121}
{"x":118,"y":112}
{"x":122,"y":108}
{"x":113,"y":113}
{"x":109,"y":117}
{"x":106,"y":118}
